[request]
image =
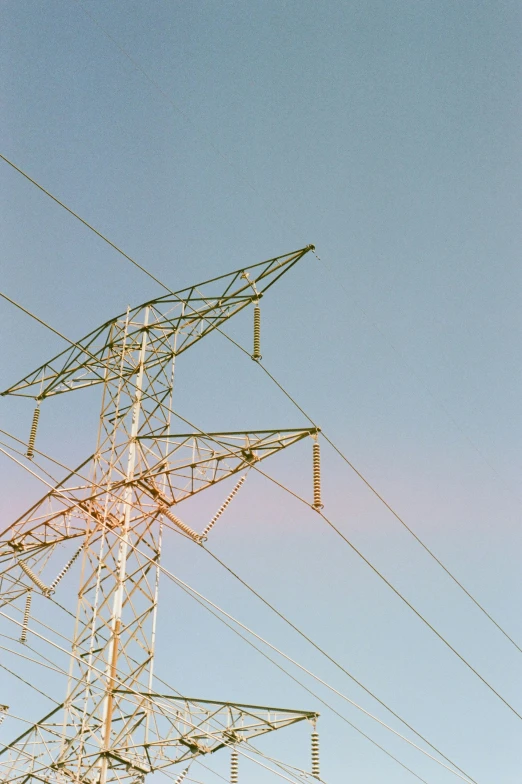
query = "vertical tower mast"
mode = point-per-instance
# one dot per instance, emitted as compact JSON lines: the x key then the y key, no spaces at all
{"x":117,"y":600}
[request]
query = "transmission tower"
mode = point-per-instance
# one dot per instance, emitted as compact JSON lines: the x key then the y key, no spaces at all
{"x":107,"y":518}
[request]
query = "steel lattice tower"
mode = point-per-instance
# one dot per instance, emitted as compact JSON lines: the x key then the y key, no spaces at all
{"x":109,"y":514}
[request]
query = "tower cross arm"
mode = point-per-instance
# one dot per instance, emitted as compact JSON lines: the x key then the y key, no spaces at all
{"x":192,"y":462}
{"x":176,"y":322}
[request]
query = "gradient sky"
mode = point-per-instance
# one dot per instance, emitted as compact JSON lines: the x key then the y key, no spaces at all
{"x":388,"y":134}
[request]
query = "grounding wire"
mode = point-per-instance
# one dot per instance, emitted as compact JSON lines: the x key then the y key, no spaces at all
{"x":171,"y":576}
{"x":238,"y":345}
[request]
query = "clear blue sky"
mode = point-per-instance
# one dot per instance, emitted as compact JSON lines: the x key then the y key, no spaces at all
{"x":388,"y":134}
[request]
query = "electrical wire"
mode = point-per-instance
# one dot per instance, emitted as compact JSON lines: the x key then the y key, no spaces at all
{"x":375,"y":570}
{"x":45,"y":324}
{"x":31,"y":685}
{"x":340,"y":667}
{"x":188,"y":590}
{"x":194,"y":592}
{"x":314,"y":695}
{"x":198,"y":596}
{"x":324,"y":518}
{"x":265,"y":475}
{"x":284,"y":223}
{"x":137,"y":695}
{"x":260,"y":651}
{"x":287,"y":394}
{"x":393,"y":511}
{"x":339,"y":452}
{"x":276,"y":664}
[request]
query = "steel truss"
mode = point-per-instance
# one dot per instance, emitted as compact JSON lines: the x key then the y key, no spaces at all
{"x":108,"y":514}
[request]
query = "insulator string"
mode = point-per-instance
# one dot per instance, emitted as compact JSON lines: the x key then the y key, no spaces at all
{"x":34,"y":577}
{"x":257,"y":333}
{"x":315,"y":754}
{"x":64,"y":570}
{"x":27,"y":612}
{"x":223,"y":507}
{"x":181,"y":776}
{"x":317,"y":504}
{"x":180,"y":524}
{"x":234,"y":764}
{"x":32,"y":435}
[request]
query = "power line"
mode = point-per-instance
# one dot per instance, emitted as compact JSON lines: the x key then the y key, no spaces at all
{"x":378,"y":573}
{"x":198,"y":596}
{"x":270,"y":209}
{"x":274,"y":380}
{"x":375,"y":570}
{"x":330,"y":658}
{"x":372,"y":567}
{"x":195,"y":594}
{"x":150,"y":275}
{"x":392,"y":510}
{"x":293,"y":626}
{"x":134,"y":693}
{"x":31,"y":685}
{"x":45,"y":324}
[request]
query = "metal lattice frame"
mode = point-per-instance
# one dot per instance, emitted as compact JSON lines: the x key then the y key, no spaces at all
{"x":112,"y":726}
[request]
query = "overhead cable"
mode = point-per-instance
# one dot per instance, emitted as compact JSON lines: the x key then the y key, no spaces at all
{"x":274,"y":380}
{"x":188,"y":588}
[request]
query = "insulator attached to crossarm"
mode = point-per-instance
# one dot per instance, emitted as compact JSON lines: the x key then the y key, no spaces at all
{"x":256,"y":355}
{"x":32,"y":434}
{"x":180,"y":524}
{"x":315,"y":754}
{"x":34,"y":577}
{"x":3,"y":712}
{"x":27,"y":612}
{"x":234,"y":761}
{"x":222,"y":508}
{"x":64,"y":570}
{"x":181,"y":776}
{"x":317,"y":504}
